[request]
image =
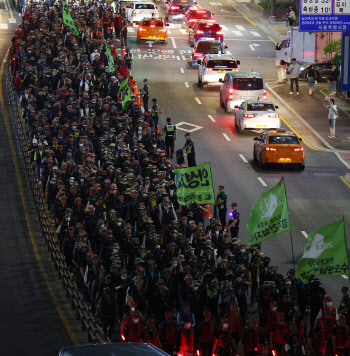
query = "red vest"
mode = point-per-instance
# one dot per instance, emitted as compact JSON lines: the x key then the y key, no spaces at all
{"x":235,"y":323}
{"x":206,"y":332}
{"x":225,"y":340}
{"x":187,"y":338}
{"x":271,"y":320}
{"x":151,"y":336}
{"x":133,"y":332}
{"x":343,"y":336}
{"x":169,"y":334}
{"x":252,"y":342}
{"x":279,"y":331}
{"x":318,"y":340}
{"x":329,"y":322}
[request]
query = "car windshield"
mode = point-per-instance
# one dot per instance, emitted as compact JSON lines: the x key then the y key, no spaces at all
{"x":286,"y":140}
{"x":222,"y":64}
{"x":201,"y":14}
{"x":144,"y":6}
{"x":260,"y":107}
{"x":152,"y":23}
{"x":248,"y":83}
{"x":209,"y":47}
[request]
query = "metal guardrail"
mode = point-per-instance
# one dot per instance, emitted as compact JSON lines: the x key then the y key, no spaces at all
{"x":88,"y":322}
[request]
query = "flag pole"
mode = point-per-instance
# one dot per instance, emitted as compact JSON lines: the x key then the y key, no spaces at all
{"x":290,"y":230}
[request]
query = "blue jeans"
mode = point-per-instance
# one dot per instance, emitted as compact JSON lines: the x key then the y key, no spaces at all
{"x":333,"y":86}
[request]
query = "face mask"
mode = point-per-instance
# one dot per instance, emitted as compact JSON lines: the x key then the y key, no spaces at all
{"x":154,"y":146}
{"x":175,"y":264}
{"x":157,"y":247}
{"x":195,"y":288}
{"x":242,"y":251}
{"x":329,"y":304}
{"x":119,"y":224}
{"x":135,"y":321}
{"x":81,"y":144}
{"x":132,"y":309}
{"x":225,"y":326}
{"x":74,"y":127}
{"x":168,"y":165}
{"x":274,"y":309}
{"x":124,"y":276}
{"x":187,"y":325}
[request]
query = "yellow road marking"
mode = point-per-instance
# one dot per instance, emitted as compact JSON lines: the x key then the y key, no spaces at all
{"x":250,"y":21}
{"x":10,"y":10}
{"x":272,"y":40}
{"x":27,"y":215}
{"x":345,"y":181}
{"x":290,"y":127}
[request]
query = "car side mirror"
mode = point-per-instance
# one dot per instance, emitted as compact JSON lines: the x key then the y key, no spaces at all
{"x":199,"y":61}
{"x":191,"y":44}
{"x":256,"y":138}
{"x":238,"y":62}
{"x":225,"y":47}
{"x":277,"y":47}
{"x":236,"y":107}
{"x":276,"y":107}
{"x":300,"y":139}
{"x":220,"y":80}
{"x":167,"y":24}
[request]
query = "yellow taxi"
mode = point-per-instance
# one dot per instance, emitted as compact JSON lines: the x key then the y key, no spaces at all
{"x":279,"y":146}
{"x":152,"y":29}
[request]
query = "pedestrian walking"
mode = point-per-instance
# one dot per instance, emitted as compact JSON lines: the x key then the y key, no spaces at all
{"x":170,"y":137}
{"x":291,"y":16}
{"x":233,"y":224}
{"x":294,"y":70}
{"x":333,"y":114}
{"x":220,"y":203}
{"x":333,"y":79}
{"x":154,"y":114}
{"x":311,"y":79}
{"x":189,"y":148}
{"x":145,"y":94}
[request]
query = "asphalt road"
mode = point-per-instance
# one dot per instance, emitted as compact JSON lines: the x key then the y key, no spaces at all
{"x":316,"y":196}
{"x":30,"y":324}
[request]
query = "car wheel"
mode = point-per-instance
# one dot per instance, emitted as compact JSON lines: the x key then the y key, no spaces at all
{"x":221,"y":103}
{"x":165,"y":42}
{"x":301,"y":166}
{"x":261,"y":164}
{"x":254,"y":155}
{"x":238,"y":127}
{"x":225,"y":107}
{"x":200,"y":83}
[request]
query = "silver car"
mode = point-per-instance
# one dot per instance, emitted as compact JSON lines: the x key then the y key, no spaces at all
{"x":204,"y":47}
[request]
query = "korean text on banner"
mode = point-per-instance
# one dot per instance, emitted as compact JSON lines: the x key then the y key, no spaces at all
{"x":194,"y":184}
{"x":109,"y":58}
{"x":125,"y":92}
{"x":67,"y":19}
{"x":269,"y":214}
{"x":325,"y":253}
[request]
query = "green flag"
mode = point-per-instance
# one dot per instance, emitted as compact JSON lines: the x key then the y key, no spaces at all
{"x":67,"y":19}
{"x":325,"y":253}
{"x":269,"y":214}
{"x":109,"y":58}
{"x":194,"y":184}
{"x":125,"y":93}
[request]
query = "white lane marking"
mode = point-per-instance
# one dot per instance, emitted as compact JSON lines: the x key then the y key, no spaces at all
{"x":344,"y":276}
{"x":243,"y":158}
{"x":171,"y":25}
{"x":131,"y":30}
{"x":5,"y":60}
{"x":12,"y":20}
{"x":304,"y":234}
{"x":219,"y":4}
{"x":173,"y":41}
{"x":183,"y":58}
{"x":211,"y":118}
{"x":240,"y":27}
{"x":256,"y":34}
{"x":186,"y":85}
{"x":149,"y":43}
{"x":183,"y":31}
{"x":198,"y":101}
{"x":262,"y":182}
{"x":227,"y":138}
{"x":169,"y":32}
{"x":252,"y":47}
{"x":237,"y":33}
{"x":182,"y":70}
{"x":4,"y":26}
{"x":223,"y":27}
{"x":178,"y":58}
{"x":212,"y":3}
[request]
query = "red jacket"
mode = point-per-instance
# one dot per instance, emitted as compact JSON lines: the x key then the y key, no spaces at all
{"x":186,"y":339}
{"x":206,"y":332}
{"x":17,"y":83}
{"x":235,"y":324}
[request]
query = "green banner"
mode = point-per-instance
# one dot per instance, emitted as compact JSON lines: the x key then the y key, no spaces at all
{"x":109,"y":58}
{"x":194,"y":184}
{"x":125,"y":92}
{"x":67,"y":19}
{"x":269,"y":214}
{"x":325,"y":253}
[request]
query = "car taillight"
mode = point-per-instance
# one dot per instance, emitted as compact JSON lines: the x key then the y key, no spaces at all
{"x":264,"y":97}
{"x":235,"y":69}
{"x":136,"y":12}
{"x":199,"y":32}
{"x":298,"y":149}
{"x":219,"y":33}
{"x":249,"y":115}
{"x":142,"y":29}
{"x":230,"y":97}
{"x":200,"y":11}
{"x":208,"y":69}
{"x":198,"y":54}
{"x":274,"y":115}
{"x":192,"y":20}
{"x":271,"y":149}
{"x":173,"y":7}
{"x":153,"y":25}
{"x":231,"y":91}
{"x":211,"y":20}
{"x":163,"y":30}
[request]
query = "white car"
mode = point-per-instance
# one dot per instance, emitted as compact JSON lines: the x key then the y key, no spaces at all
{"x":213,"y":68}
{"x":138,"y":10}
{"x":256,"y":114}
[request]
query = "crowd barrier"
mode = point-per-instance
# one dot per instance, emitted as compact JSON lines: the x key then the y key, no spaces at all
{"x":88,"y":322}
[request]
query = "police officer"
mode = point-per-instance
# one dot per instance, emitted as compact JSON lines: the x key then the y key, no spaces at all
{"x":189,"y":147}
{"x":170,"y":137}
{"x":344,"y":307}
{"x":154,"y":113}
{"x":220,"y":203}
{"x":233,"y":223}
{"x":145,"y":94}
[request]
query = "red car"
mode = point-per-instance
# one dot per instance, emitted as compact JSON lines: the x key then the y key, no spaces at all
{"x":193,"y":15}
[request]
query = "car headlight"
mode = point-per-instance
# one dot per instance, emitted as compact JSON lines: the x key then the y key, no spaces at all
{"x":303,"y":67}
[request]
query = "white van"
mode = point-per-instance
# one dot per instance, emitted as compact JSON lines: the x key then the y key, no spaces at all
{"x":239,"y":86}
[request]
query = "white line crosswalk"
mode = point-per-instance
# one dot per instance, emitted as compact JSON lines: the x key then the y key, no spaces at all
{"x":256,"y":34}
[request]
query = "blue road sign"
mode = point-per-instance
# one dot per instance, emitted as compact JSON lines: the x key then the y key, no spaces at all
{"x":345,"y":65}
{"x":324,"y":15}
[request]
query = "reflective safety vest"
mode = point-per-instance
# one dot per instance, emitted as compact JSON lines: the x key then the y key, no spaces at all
{"x":170,"y":129}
